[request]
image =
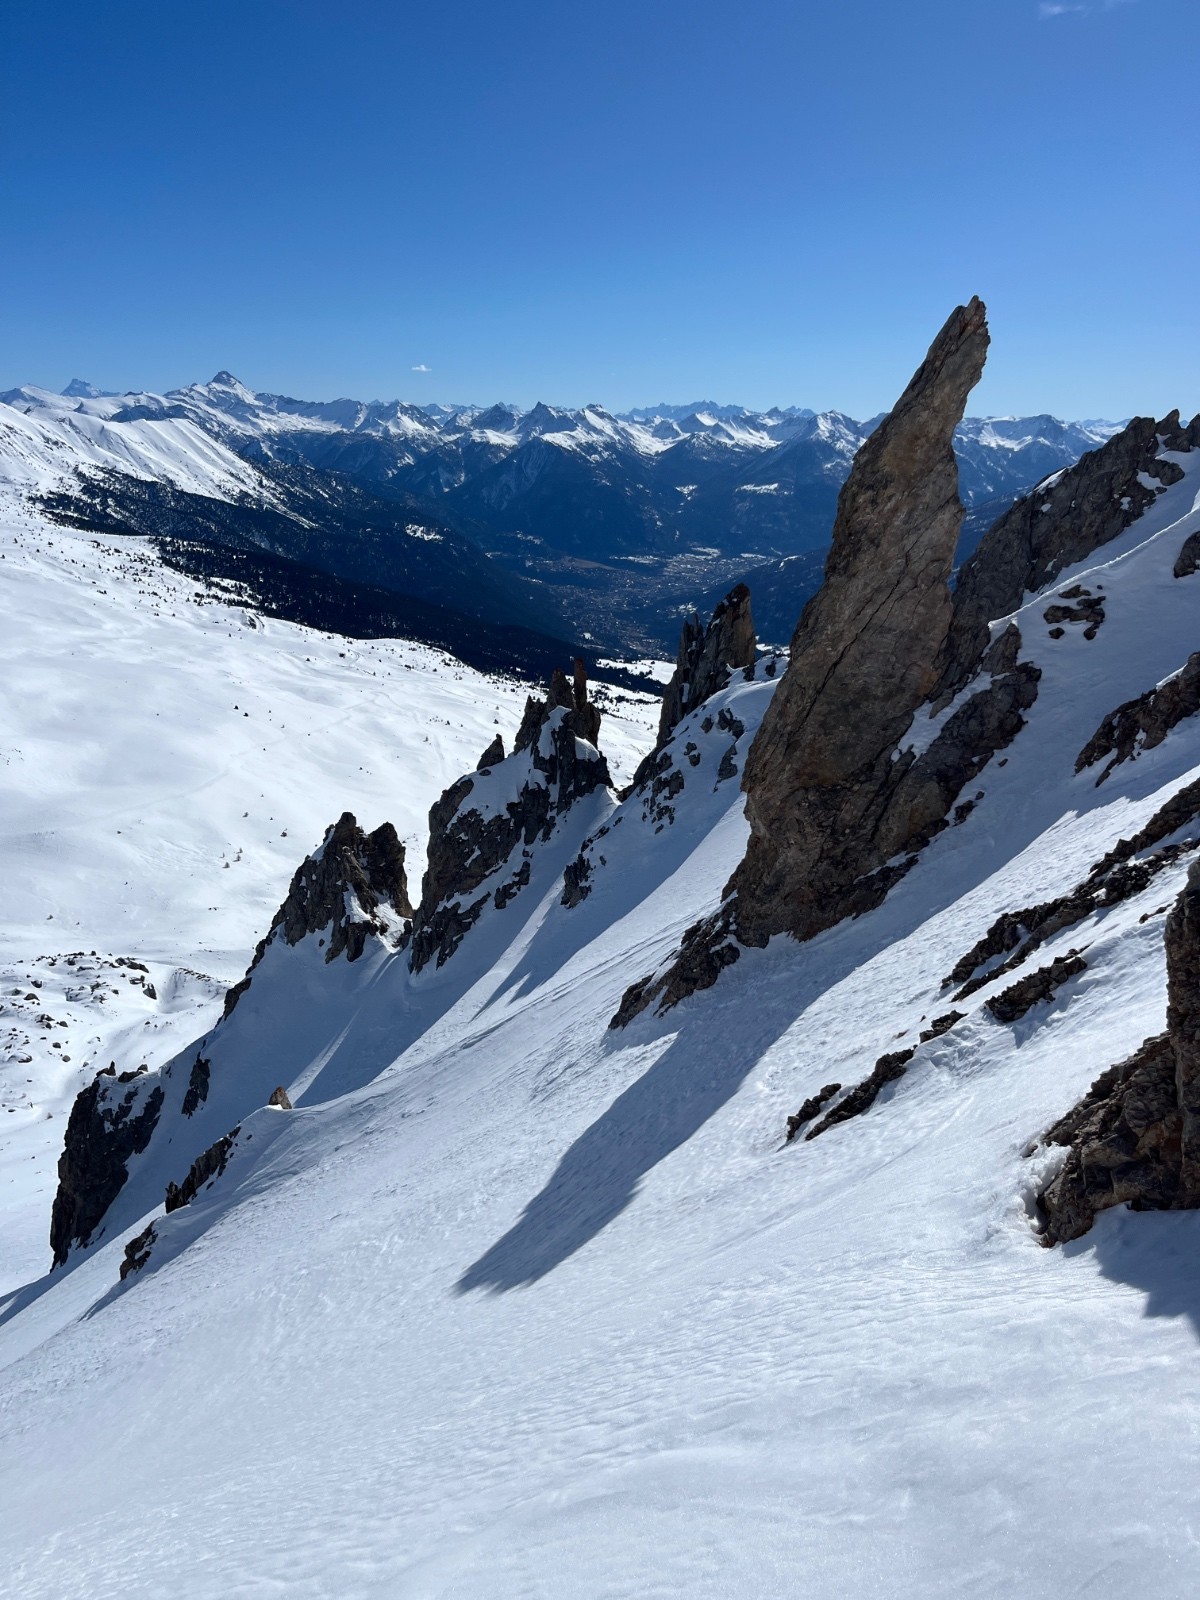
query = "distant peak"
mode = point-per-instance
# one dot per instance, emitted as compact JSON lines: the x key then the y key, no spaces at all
{"x":80,"y":389}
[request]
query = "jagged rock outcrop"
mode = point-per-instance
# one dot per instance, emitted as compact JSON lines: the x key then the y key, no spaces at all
{"x":483,"y":818}
{"x":111,"y":1121}
{"x":208,"y":1165}
{"x":492,"y":756}
{"x":1129,"y":867}
{"x":137,"y":1251}
{"x":1135,"y":1136}
{"x":352,"y":886}
{"x":836,"y":805}
{"x":1036,"y":988}
{"x":1145,"y":722}
{"x":707,"y":658}
{"x":1059,"y":523}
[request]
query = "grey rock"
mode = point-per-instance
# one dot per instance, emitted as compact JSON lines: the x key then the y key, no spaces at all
{"x":707,"y":658}
{"x":279,"y":1099}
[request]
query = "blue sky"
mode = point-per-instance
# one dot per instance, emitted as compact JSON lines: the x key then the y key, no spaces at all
{"x":763,"y":202}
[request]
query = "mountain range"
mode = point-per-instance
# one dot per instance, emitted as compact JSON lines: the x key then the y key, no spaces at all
{"x":596,"y":527}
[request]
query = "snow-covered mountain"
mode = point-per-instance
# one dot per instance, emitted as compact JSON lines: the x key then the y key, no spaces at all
{"x":499,"y":1298}
{"x":613,"y":524}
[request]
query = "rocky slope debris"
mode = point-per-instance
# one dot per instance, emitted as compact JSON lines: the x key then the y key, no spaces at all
{"x":1134,"y":1138}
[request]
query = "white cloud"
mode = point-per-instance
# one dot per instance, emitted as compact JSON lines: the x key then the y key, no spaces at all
{"x":421,"y":367}
{"x":1053,"y":8}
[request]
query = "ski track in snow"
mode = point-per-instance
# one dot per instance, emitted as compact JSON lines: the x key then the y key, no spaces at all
{"x":543,"y":1309}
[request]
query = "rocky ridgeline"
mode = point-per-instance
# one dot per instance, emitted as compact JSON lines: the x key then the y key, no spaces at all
{"x":1061,"y":522}
{"x":501,"y":810}
{"x":839,"y":797}
{"x":352,"y":888}
{"x":707,"y":657}
{"x":1134,"y":1138}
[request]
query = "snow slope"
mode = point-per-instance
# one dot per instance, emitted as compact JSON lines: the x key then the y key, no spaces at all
{"x":166,"y":759}
{"x":544,"y":1309}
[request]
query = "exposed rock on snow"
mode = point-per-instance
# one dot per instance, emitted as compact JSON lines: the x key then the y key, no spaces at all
{"x":1116,"y":877}
{"x":707,"y":656}
{"x":137,"y":1251}
{"x":352,"y":886}
{"x":504,"y":806}
{"x":111,"y":1121}
{"x":208,"y":1165}
{"x":1058,"y":523}
{"x":1145,"y":722}
{"x":1135,"y":1136}
{"x":1036,"y":987}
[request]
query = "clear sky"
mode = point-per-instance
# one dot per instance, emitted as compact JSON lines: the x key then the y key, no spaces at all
{"x":760,"y":201}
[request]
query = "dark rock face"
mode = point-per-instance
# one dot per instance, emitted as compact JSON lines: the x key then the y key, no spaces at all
{"x":137,"y":1251}
{"x":492,"y":756}
{"x":111,"y":1120}
{"x":809,"y":1109}
{"x":1135,"y":1136}
{"x":1056,"y":525}
{"x":834,"y":818}
{"x":1036,"y":988}
{"x":211,"y":1164}
{"x":707,"y":657}
{"x":279,"y":1099}
{"x":353,"y":886}
{"x":1145,"y":722}
{"x":471,"y":836}
{"x":197,"y":1089}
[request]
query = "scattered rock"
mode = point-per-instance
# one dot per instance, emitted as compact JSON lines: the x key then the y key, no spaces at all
{"x":1059,"y":523}
{"x":1145,"y":722}
{"x":137,"y":1251}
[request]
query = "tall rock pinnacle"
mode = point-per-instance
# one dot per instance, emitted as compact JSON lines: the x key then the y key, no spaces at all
{"x":864,"y":656}
{"x":831,"y":804}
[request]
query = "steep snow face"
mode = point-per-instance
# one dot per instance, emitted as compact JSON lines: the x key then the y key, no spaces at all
{"x":166,"y":758}
{"x":543,"y":1309}
{"x":42,"y":446}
